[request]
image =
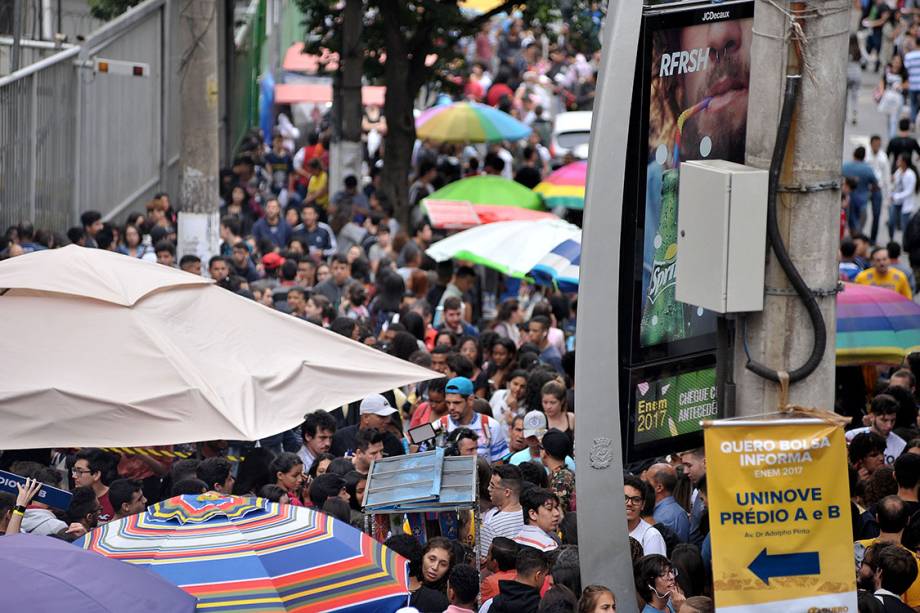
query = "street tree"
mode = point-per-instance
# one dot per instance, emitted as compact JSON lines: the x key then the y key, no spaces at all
{"x":412,"y":45}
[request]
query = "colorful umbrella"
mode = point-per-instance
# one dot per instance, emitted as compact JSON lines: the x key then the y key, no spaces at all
{"x":489,"y":190}
{"x":235,"y":553}
{"x":38,"y":573}
{"x":510,"y":247}
{"x":560,"y":266}
{"x":875,"y":325}
{"x":469,"y":122}
{"x":565,"y":187}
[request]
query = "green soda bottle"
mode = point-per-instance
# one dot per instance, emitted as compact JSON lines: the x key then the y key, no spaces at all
{"x":663,"y":318}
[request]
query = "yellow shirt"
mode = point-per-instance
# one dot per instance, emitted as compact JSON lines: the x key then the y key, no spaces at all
{"x":894,"y":279}
{"x":317,"y":184}
{"x":912,"y":595}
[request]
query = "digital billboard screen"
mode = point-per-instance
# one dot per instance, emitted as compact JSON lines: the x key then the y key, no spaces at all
{"x":696,"y":72}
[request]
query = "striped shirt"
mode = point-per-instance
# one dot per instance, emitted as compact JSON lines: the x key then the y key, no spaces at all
{"x":534,"y":536}
{"x":912,"y":65}
{"x":499,"y":523}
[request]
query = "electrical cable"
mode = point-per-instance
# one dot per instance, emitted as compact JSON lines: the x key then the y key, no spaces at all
{"x":775,"y":239}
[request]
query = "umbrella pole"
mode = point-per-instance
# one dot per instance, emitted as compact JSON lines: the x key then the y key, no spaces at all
{"x":477,"y":524}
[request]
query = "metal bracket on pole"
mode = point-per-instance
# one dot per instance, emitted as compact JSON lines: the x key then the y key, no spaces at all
{"x":788,"y":291}
{"x":807,"y":189}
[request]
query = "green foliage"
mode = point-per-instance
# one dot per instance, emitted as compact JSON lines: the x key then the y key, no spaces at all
{"x":435,"y":27}
{"x":110,"y":9}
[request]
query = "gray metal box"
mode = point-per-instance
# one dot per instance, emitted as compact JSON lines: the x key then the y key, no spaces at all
{"x":721,"y":236}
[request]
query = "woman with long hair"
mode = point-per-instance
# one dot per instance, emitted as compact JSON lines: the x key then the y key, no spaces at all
{"x":437,"y":562}
{"x":468,"y":347}
{"x":508,"y":403}
{"x":509,"y":316}
{"x":502,"y":362}
{"x":134,"y":243}
{"x":287,"y":470}
{"x":421,"y":597}
{"x":554,"y":406}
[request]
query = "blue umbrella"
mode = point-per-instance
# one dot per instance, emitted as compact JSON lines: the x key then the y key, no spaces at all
{"x":559,"y":267}
{"x":40,"y":573}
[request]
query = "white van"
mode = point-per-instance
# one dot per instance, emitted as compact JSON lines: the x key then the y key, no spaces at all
{"x":571,"y":133}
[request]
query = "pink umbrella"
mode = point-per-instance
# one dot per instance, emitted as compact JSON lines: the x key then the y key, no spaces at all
{"x":565,"y":187}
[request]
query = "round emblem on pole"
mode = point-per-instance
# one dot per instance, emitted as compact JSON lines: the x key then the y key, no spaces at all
{"x":601,"y":453}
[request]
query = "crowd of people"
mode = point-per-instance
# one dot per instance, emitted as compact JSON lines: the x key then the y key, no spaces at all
{"x":339,"y":258}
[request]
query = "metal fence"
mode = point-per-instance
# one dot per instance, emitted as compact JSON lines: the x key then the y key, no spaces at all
{"x":73,"y":138}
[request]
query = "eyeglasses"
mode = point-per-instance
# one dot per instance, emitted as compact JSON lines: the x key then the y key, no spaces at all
{"x":672,"y":573}
{"x":634,"y":500}
{"x":80,"y":471}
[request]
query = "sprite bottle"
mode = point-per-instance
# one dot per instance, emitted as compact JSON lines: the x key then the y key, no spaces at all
{"x":663,"y":317}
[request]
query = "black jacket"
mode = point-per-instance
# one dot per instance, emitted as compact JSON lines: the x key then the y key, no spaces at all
{"x":515,"y":597}
{"x":894,"y":605}
{"x":911,"y":240}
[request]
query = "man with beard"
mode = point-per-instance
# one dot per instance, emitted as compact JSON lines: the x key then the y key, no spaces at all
{"x":724,"y":83}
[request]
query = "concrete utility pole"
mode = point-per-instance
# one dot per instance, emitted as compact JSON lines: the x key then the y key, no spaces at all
{"x":199,"y":162}
{"x":781,"y":336}
{"x":604,"y":554}
{"x":346,"y":154}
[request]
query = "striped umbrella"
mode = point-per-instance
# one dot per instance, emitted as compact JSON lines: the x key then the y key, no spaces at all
{"x":513,"y":248}
{"x":242,"y":554}
{"x":469,"y":122}
{"x":565,"y":187}
{"x":875,"y":325}
{"x":560,"y":266}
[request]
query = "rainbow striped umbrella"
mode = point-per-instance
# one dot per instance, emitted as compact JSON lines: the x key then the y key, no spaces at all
{"x":875,"y":325}
{"x":248,"y":554}
{"x":565,"y":187}
{"x":469,"y":122}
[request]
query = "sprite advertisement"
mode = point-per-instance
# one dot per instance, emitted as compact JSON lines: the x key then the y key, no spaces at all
{"x":697,"y":95}
{"x":671,"y":406}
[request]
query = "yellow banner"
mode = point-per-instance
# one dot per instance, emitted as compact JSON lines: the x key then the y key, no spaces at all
{"x":779,"y":517}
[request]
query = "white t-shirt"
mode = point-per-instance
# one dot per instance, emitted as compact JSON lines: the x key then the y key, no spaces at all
{"x":650,"y":539}
{"x":895,"y":447}
{"x":499,"y":523}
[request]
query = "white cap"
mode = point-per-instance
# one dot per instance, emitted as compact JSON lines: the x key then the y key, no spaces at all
{"x":375,"y":404}
{"x":534,"y":424}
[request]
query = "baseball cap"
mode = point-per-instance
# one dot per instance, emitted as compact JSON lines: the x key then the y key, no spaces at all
{"x":375,"y":404}
{"x":459,"y":385}
{"x":557,"y":443}
{"x":534,"y":424}
{"x":272,"y":260}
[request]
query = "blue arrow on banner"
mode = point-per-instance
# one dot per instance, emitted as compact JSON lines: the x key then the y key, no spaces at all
{"x":767,"y":566}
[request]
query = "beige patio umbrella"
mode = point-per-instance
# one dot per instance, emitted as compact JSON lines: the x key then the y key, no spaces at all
{"x":99,"y":349}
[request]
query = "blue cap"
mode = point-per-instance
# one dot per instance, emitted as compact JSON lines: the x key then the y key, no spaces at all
{"x":459,"y":385}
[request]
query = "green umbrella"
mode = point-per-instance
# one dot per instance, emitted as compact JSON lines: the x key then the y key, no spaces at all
{"x":489,"y":189}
